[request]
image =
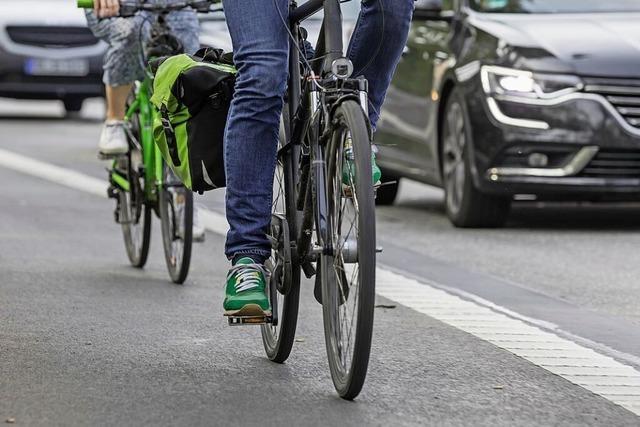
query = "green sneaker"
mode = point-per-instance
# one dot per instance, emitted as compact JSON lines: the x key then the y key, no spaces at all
{"x":347,"y":166}
{"x":376,"y":173}
{"x":246,"y":290}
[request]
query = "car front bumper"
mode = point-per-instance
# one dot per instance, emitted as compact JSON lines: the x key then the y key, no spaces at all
{"x":16,"y":83}
{"x":578,"y":145}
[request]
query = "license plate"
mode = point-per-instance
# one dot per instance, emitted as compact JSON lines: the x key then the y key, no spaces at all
{"x":56,"y":67}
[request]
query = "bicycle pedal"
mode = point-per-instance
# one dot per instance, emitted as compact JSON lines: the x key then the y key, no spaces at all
{"x":105,"y":156}
{"x":250,"y":314}
{"x":112,"y":192}
{"x":248,"y":320}
{"x":347,"y":191}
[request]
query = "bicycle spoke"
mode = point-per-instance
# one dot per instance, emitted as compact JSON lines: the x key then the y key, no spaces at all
{"x":176,"y":217}
{"x":345,"y":232}
{"x":349,"y":285}
{"x":284,"y":275}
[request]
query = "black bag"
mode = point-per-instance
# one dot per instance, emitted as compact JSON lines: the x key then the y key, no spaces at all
{"x":192,"y":94}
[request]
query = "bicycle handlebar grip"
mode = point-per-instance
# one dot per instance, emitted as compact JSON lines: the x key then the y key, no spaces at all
{"x":85,"y":4}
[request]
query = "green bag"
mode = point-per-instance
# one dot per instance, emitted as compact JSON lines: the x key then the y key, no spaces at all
{"x":192,"y":94}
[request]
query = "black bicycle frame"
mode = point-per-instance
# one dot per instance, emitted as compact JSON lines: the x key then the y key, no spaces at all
{"x":329,"y":48}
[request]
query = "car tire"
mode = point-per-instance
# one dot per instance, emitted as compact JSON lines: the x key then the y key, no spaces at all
{"x":465,"y":205}
{"x":73,"y":105}
{"x":387,"y":192}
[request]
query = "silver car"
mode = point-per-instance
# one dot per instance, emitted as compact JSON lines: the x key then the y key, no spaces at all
{"x":47,"y":52}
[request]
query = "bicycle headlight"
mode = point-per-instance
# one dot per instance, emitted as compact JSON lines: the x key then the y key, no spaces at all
{"x":513,"y":82}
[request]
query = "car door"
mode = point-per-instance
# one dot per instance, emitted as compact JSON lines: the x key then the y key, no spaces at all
{"x":408,"y":125}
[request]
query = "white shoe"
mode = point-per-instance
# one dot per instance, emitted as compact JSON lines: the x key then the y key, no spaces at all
{"x":113,"y":139}
{"x":198,"y":228}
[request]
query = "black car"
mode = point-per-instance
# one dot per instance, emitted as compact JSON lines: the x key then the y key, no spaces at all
{"x":47,"y":52}
{"x":496,"y":99}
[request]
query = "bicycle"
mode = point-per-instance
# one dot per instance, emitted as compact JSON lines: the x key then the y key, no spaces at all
{"x":323,"y":179}
{"x":140,"y":181}
{"x":323,"y":220}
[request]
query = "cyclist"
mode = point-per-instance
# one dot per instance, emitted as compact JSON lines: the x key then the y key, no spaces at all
{"x":123,"y":66}
{"x":260,"y":44}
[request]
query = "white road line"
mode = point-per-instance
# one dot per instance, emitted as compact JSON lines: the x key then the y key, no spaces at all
{"x":526,"y":338}
{"x":49,"y":172}
{"x":616,"y":381}
{"x":212,"y":221}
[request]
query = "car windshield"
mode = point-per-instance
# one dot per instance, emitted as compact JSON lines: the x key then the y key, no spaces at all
{"x":555,"y":6}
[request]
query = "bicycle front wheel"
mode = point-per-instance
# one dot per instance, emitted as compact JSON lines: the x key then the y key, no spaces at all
{"x":176,"y":217}
{"x":348,"y":271}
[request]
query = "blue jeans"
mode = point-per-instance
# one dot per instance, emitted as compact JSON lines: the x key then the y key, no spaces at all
{"x":260,"y":44}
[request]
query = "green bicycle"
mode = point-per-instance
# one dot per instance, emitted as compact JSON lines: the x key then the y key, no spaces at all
{"x":141,"y":182}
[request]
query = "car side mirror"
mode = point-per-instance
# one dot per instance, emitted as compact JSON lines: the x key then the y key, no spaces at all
{"x":431,"y":10}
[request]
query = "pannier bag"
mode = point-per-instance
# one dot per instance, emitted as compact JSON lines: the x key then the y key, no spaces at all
{"x":192,"y":94}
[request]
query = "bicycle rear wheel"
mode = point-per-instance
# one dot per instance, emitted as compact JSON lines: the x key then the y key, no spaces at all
{"x":134,"y":213}
{"x":284,"y":272}
{"x":348,"y":274}
{"x":176,"y":219}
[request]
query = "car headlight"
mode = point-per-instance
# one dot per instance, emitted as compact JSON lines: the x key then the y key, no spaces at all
{"x":512,"y":82}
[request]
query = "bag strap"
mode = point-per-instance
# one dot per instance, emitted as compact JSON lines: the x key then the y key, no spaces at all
{"x":170,"y":134}
{"x":208,"y":54}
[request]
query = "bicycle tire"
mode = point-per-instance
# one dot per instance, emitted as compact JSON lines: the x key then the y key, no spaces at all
{"x":137,"y":253}
{"x":176,"y":224}
{"x":278,"y":340}
{"x":337,"y":293}
{"x":137,"y":237}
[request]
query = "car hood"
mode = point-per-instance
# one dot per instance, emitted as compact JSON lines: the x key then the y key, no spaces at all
{"x":39,"y":12}
{"x":602,"y":44}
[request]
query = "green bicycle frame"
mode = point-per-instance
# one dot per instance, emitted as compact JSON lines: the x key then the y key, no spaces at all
{"x":151,"y":156}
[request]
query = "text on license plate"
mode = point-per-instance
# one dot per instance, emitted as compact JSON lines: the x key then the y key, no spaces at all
{"x":56,"y":67}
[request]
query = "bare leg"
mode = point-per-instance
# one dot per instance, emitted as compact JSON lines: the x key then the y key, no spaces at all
{"x":116,"y":101}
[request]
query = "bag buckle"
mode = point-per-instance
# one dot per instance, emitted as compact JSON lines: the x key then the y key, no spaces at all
{"x":164,"y":119}
{"x":170,"y":134}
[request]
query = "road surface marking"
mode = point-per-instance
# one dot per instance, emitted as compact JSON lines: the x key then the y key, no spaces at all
{"x":582,"y":366}
{"x":49,"y":172}
{"x":524,"y":337}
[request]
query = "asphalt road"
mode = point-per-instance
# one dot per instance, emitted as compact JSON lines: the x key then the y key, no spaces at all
{"x":87,"y":340}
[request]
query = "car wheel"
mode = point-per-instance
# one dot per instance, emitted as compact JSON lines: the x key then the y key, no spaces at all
{"x":466,"y":206}
{"x":73,"y":105}
{"x":387,"y":192}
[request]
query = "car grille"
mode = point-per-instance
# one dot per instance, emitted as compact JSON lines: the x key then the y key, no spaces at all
{"x":52,"y":37}
{"x":613,"y":164}
{"x":623,"y":94}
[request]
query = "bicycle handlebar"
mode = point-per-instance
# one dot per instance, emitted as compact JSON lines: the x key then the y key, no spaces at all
{"x":130,"y":7}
